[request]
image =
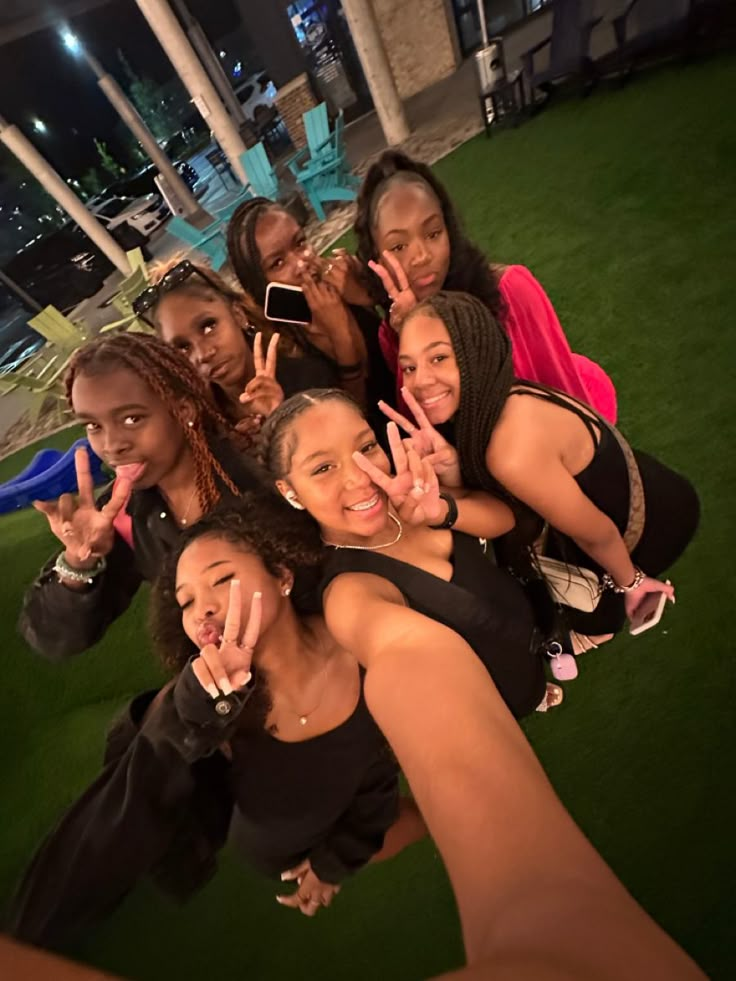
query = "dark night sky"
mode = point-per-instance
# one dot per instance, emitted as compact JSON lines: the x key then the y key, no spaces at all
{"x":38,"y":77}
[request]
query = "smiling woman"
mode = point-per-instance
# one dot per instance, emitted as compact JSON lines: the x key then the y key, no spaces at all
{"x":403,"y":543}
{"x":410,"y":235}
{"x":147,"y":415}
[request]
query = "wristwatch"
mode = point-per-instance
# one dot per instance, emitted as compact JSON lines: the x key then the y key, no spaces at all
{"x":451,"y":516}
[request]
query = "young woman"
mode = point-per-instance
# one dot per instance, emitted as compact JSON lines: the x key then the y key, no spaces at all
{"x":193,"y":309}
{"x":549,"y":452}
{"x":340,"y":347}
{"x":393,"y":541}
{"x":410,"y":235}
{"x":263,"y":737}
{"x":149,"y":417}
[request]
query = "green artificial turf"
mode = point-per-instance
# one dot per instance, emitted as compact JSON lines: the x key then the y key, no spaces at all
{"x":622,"y":205}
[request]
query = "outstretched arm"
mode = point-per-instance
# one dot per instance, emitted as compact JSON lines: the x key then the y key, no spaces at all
{"x":491,"y":809}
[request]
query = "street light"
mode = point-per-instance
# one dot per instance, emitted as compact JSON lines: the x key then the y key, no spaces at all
{"x":39,"y":126}
{"x":70,"y":41}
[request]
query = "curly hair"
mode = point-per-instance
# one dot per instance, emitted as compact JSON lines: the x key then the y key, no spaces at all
{"x":483,"y":353}
{"x":469,"y":270}
{"x":262,"y":525}
{"x":275,"y":449}
{"x":176,"y":383}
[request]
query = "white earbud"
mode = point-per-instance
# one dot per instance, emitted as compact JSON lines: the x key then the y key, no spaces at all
{"x":291,"y":498}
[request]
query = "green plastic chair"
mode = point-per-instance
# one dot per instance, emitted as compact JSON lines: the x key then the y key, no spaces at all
{"x":131,"y":287}
{"x":58,"y":329}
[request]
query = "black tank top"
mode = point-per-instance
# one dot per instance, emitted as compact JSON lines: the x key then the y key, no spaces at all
{"x":481,"y":602}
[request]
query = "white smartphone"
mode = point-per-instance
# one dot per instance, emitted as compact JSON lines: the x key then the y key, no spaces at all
{"x":287,"y":304}
{"x":648,"y":613}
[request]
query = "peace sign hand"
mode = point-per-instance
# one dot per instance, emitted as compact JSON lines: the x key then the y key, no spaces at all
{"x":414,"y":489}
{"x":263,"y":393}
{"x":426,"y":441}
{"x":397,"y":286}
{"x":86,"y":532}
{"x":222,"y":669}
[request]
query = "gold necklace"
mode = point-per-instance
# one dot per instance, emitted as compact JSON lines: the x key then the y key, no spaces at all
{"x":373,"y":548}
{"x":304,"y":716}
{"x":183,"y":520}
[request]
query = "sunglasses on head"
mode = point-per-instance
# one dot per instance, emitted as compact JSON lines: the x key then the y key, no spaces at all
{"x":177,"y":275}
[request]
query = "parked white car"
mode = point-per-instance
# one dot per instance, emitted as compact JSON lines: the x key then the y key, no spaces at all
{"x":144,"y":214}
{"x":255,"y":91}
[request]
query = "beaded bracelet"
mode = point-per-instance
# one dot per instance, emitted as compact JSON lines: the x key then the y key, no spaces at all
{"x":608,"y":583}
{"x":65,"y":571}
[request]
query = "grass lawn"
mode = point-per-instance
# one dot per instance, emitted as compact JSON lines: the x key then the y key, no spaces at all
{"x":623,"y":206}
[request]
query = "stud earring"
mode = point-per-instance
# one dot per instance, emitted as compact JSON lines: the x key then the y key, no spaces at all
{"x":286,"y":591}
{"x":191,"y":424}
{"x":291,"y":498}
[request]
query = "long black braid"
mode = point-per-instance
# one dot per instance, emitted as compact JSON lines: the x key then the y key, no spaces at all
{"x":483,"y":354}
{"x":469,"y":270}
{"x":242,"y":249}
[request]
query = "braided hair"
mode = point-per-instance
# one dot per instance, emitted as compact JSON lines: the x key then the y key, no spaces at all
{"x":275,"y":449}
{"x":242,"y":249}
{"x":469,"y":271}
{"x":176,"y":382}
{"x":483,"y":354}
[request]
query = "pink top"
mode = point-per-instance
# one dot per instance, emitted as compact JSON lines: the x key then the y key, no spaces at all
{"x":539,"y":347}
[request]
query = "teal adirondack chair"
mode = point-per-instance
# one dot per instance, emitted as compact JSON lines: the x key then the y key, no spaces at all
{"x":225,"y":214}
{"x":261,"y":175}
{"x":326,"y":175}
{"x":210,"y":241}
{"x":317,"y":130}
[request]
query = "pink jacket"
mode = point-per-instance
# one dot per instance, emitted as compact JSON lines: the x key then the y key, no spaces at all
{"x":539,"y":347}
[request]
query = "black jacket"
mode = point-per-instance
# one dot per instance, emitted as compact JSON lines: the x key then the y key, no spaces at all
{"x":163,"y":804}
{"x":58,"y":622}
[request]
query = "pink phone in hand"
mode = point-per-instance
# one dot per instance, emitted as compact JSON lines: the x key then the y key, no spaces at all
{"x":648,"y":613}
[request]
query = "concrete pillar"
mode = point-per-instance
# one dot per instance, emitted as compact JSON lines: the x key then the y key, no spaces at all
{"x":175,"y":43}
{"x":193,"y":212}
{"x":60,"y":191}
{"x":211,"y":62}
{"x":369,"y":44}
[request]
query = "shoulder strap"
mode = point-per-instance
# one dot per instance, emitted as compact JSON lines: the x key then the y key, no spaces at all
{"x":637,"y":507}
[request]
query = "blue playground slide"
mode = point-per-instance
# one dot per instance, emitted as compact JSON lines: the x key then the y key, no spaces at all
{"x":49,"y":474}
